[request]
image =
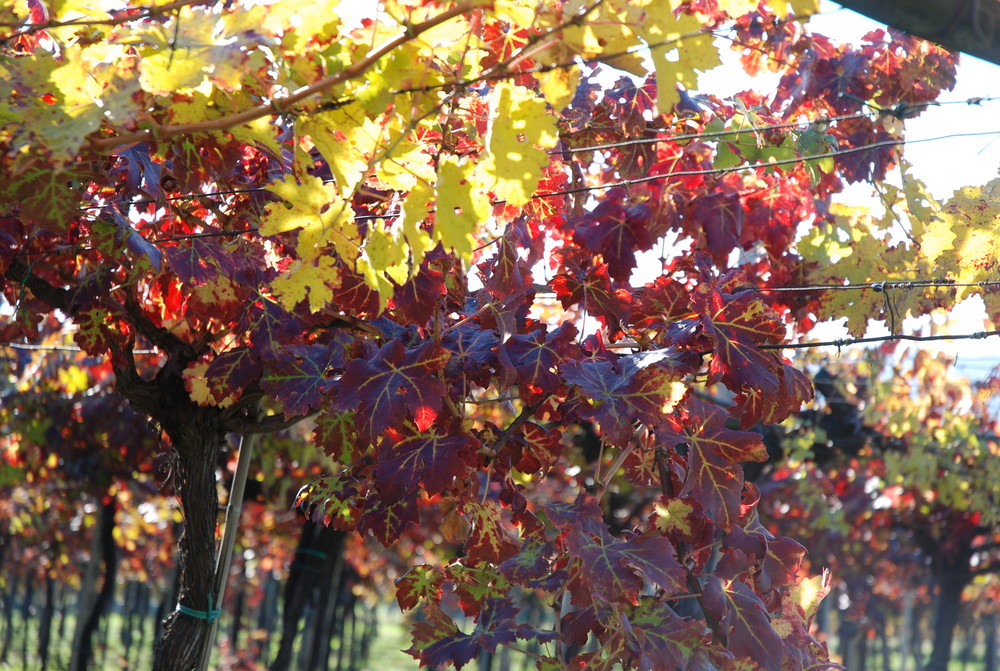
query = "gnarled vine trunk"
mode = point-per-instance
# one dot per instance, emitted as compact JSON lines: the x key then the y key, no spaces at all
{"x":196,"y":436}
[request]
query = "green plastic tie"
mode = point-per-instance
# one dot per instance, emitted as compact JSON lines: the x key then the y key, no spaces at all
{"x":305,"y":567}
{"x":210,"y":615}
{"x":311,"y":553}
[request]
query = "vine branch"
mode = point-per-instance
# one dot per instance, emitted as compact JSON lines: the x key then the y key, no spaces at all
{"x":148,"y":12}
{"x":280,"y":105}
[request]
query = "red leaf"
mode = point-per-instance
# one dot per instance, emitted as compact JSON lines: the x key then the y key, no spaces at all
{"x":387,"y":519}
{"x":420,"y":583}
{"x":354,"y":296}
{"x":190,"y":264}
{"x":715,"y":453}
{"x":771,"y":406}
{"x":746,"y":622}
{"x":231,"y":372}
{"x":612,"y":570}
{"x":337,"y":434}
{"x":437,"y":641}
{"x":768,"y":390}
{"x":658,"y":638}
{"x":416,"y":301}
{"x":506,"y":273}
{"x":489,"y":540}
{"x":528,"y":565}
{"x":535,"y":357}
{"x":637,"y":387}
{"x":268,"y":324}
{"x":496,"y":625}
{"x":298,"y":376}
{"x":594,"y":292}
{"x":616,"y":233}
{"x":425,"y":458}
{"x":660,"y":303}
{"x":720,"y":215}
{"x":474,"y":358}
{"x":535,"y":448}
{"x":394,"y":385}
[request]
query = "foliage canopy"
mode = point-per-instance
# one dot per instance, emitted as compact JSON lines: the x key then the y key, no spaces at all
{"x":405,"y":227}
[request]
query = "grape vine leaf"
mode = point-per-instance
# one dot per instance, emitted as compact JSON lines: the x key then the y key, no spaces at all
{"x":767,"y":388}
{"x":521,"y":129}
{"x":638,"y":387}
{"x":318,"y":212}
{"x":430,"y":459}
{"x":746,"y":621}
{"x":392,"y":387}
{"x":299,"y":375}
{"x":715,"y":476}
{"x":613,"y":570}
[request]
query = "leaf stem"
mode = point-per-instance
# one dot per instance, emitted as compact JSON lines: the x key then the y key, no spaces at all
{"x":526,"y":412}
{"x":528,"y":653}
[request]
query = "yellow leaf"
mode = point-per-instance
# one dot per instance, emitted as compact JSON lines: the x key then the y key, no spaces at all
{"x":217,"y":291}
{"x":385,"y":255}
{"x":160,"y":76}
{"x":197,"y":386}
{"x":315,"y":279}
{"x":519,"y":125}
{"x":736,"y":8}
{"x":974,"y":216}
{"x":608,"y":30}
{"x":808,"y":594}
{"x":462,"y":208}
{"x":938,"y":238}
{"x":798,"y":8}
{"x":190,"y":51}
{"x":73,"y":379}
{"x":673,"y":516}
{"x":261,"y":132}
{"x":927,"y":224}
{"x":451,"y":45}
{"x":67,"y":10}
{"x":781,"y":626}
{"x":192,"y":108}
{"x":679,"y":50}
{"x":347,"y":139}
{"x":382,"y":249}
{"x":377,"y":281}
{"x":78,"y":80}
{"x":559,"y":86}
{"x":405,"y":164}
{"x":416,"y":209}
{"x":323,"y":217}
{"x":300,"y":22}
{"x":520,"y":13}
